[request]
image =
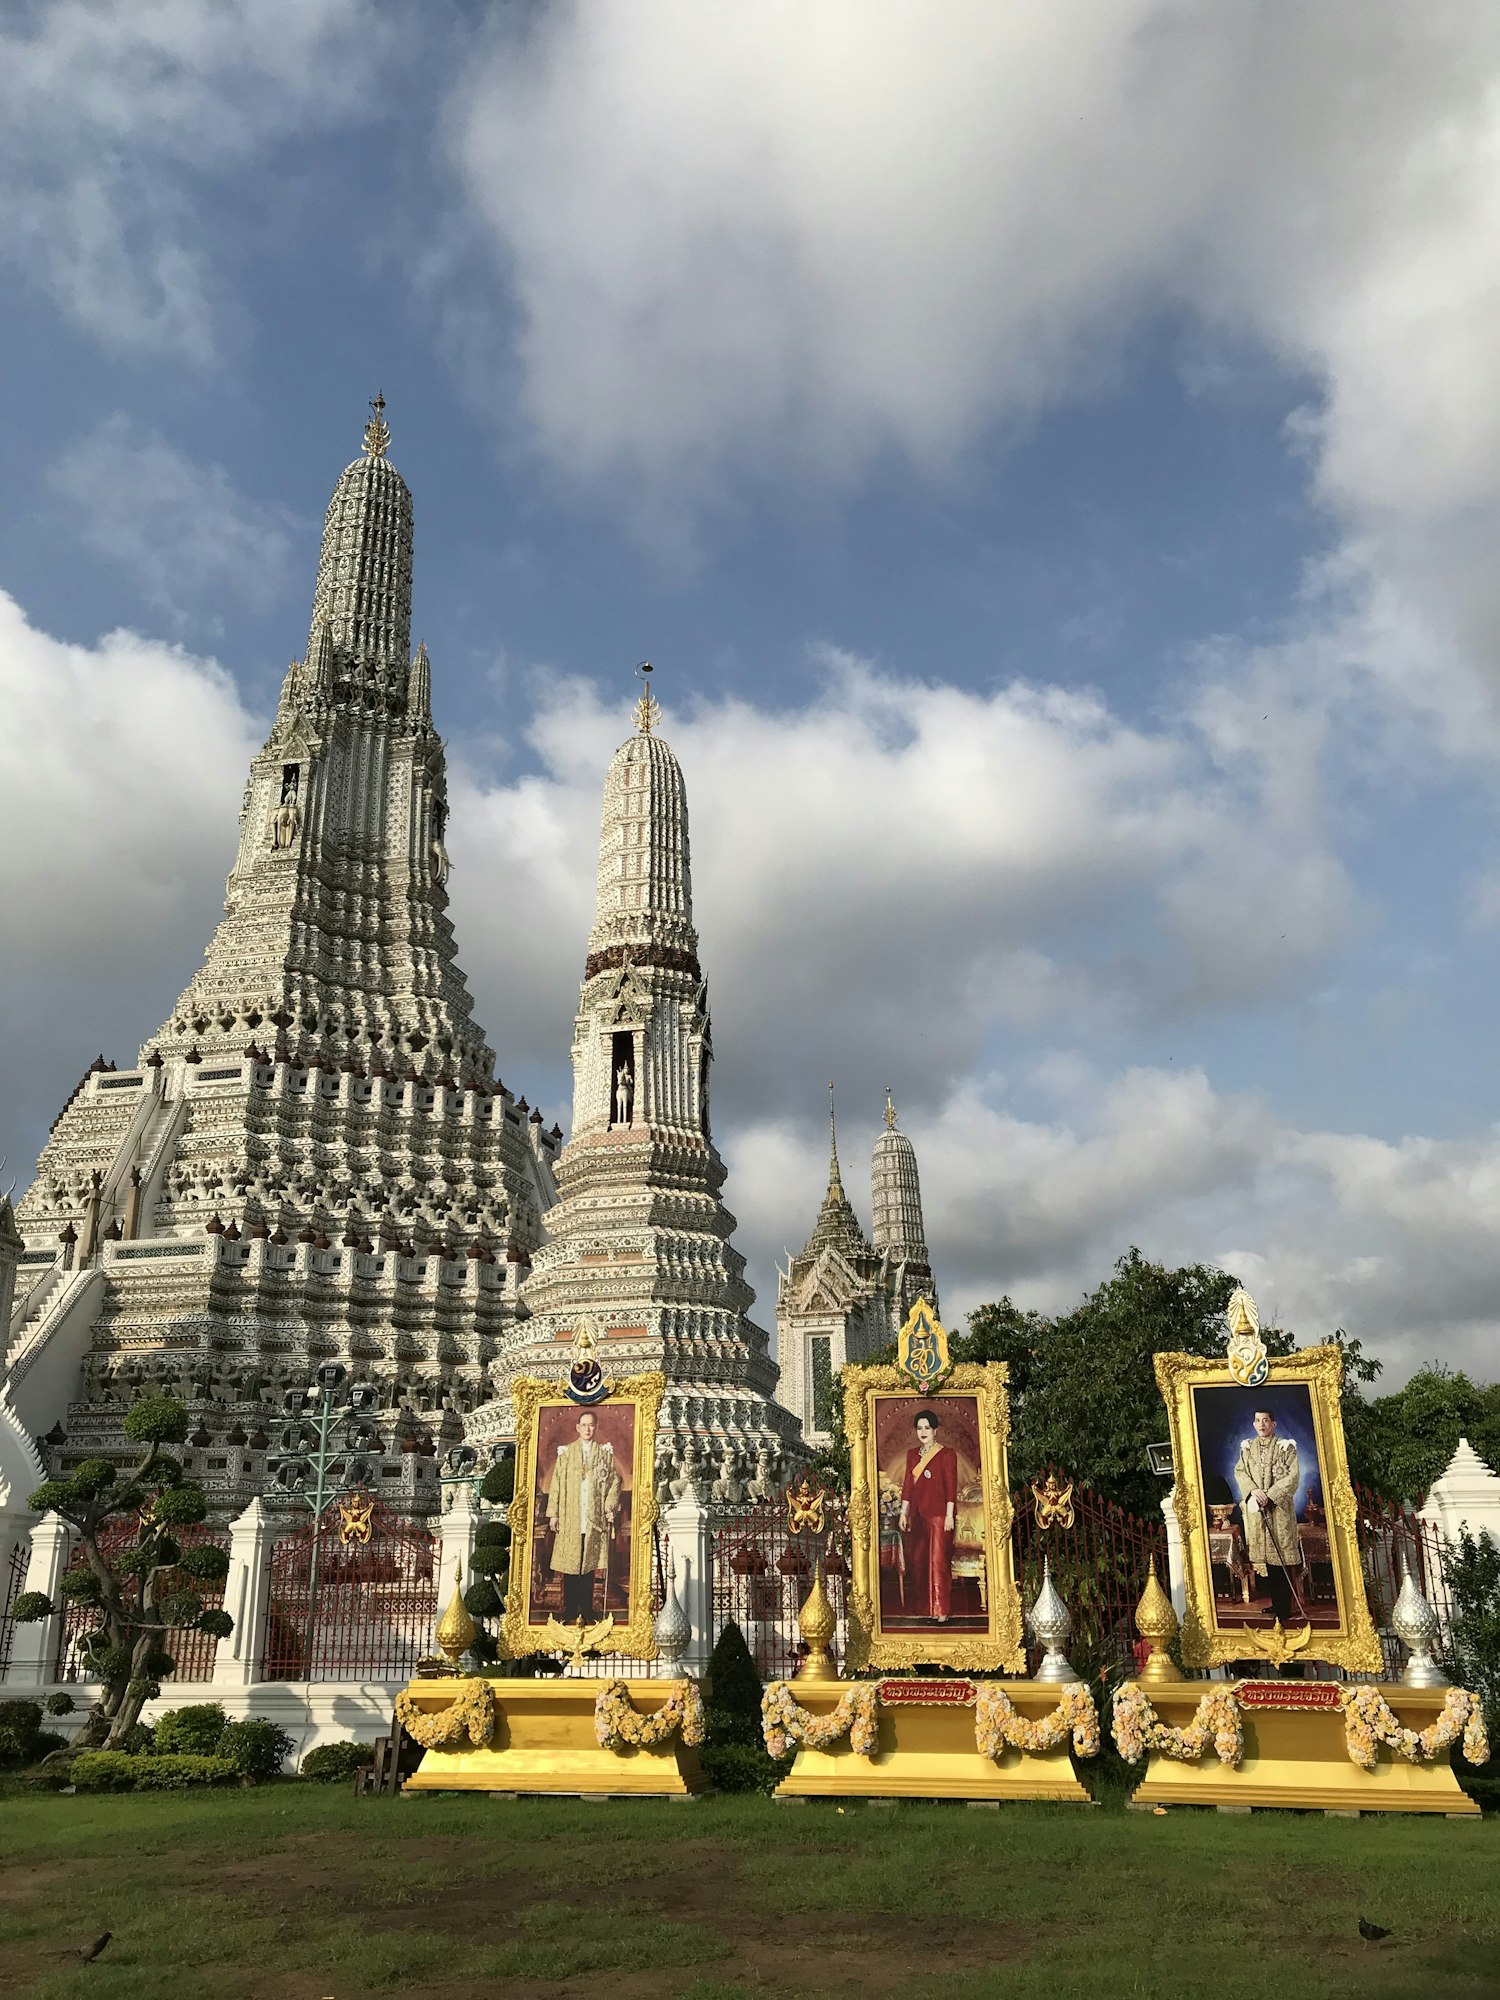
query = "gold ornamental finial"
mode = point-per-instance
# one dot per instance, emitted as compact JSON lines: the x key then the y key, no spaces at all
{"x":647,"y":713}
{"x":817,"y":1624}
{"x":1241,"y":1312}
{"x":456,"y":1630}
{"x":1156,"y":1621}
{"x":377,"y":430}
{"x":890,"y":1110}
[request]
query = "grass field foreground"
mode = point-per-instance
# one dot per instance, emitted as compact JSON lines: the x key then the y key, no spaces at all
{"x":287,"y":1892}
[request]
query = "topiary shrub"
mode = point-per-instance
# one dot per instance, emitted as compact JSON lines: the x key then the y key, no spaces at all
{"x":734,"y":1754}
{"x":60,"y":1704}
{"x":190,"y":1732}
{"x":256,"y":1748}
{"x":332,"y":1763}
{"x":114,"y":1771}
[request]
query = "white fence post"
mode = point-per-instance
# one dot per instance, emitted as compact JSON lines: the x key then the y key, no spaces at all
{"x":1467,"y":1495}
{"x":33,"y":1648}
{"x":247,"y":1592}
{"x":691,"y":1550}
{"x":1176,"y":1571}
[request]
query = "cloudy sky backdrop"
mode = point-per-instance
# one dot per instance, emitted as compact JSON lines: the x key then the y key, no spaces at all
{"x":1051,"y":454}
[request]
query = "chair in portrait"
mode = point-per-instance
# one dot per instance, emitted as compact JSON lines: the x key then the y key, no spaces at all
{"x":583,"y":1516}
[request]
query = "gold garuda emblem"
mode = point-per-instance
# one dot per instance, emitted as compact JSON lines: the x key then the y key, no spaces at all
{"x":356,"y":1517}
{"x":573,"y":1641}
{"x":922,"y":1348}
{"x":804,"y":1507}
{"x":1054,"y":1502}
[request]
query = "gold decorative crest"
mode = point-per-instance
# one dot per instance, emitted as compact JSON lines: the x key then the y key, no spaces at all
{"x":1352,"y":1643}
{"x":1000,"y":1646}
{"x":356,"y":1519}
{"x":636,"y":1638}
{"x":804,"y":1507}
{"x":1053,"y":1503}
{"x":922,"y":1349}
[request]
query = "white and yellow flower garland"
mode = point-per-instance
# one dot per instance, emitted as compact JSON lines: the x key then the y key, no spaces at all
{"x":1216,"y":1721}
{"x":619,"y":1725}
{"x":997,"y":1723}
{"x":784,"y":1721}
{"x":470,"y":1714}
{"x":1369,"y":1721}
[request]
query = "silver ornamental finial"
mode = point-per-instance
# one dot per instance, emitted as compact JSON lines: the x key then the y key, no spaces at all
{"x":673,"y":1630}
{"x":1415,"y":1624}
{"x":1050,"y":1626}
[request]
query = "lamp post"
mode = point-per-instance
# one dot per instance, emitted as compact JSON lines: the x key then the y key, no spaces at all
{"x":323,"y":1447}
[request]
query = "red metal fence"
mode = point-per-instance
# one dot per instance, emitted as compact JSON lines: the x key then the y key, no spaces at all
{"x":192,"y":1650}
{"x":1390,"y":1534}
{"x":353,"y":1596}
{"x":1101,"y":1558}
{"x":763,"y":1571}
{"x":10,"y":1590}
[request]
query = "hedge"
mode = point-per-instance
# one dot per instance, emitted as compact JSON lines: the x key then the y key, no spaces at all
{"x":114,"y":1771}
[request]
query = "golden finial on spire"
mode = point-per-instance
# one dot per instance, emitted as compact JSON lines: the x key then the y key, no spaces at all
{"x":377,"y":430}
{"x":647,"y":713}
{"x":890,"y":1111}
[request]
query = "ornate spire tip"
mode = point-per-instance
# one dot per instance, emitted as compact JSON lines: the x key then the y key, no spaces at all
{"x":377,"y":430}
{"x":890,"y":1111}
{"x":647,"y":712}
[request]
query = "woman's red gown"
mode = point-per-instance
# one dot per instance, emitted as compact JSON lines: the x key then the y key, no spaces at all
{"x":929,"y":1541}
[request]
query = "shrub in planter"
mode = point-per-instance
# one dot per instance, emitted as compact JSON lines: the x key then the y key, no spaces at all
{"x":738,"y":1767}
{"x":190,"y":1732}
{"x":332,"y":1763}
{"x":256,"y":1748}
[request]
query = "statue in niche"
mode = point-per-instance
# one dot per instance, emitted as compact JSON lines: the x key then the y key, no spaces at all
{"x":623,"y":1083}
{"x":287,"y":818}
{"x":440,"y":862}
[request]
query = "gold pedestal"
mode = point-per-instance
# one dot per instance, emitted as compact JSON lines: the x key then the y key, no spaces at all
{"x":1297,"y":1757}
{"x":929,"y":1753}
{"x":544,"y":1742}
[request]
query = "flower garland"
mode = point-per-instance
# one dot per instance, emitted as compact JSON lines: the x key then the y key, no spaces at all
{"x":618,"y":1725}
{"x":1216,"y":1720}
{"x":471,"y":1713}
{"x":784,"y":1721}
{"x":997,"y":1723}
{"x":1369,"y":1720}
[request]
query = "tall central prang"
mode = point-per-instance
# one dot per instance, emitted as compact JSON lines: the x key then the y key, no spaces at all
{"x":637,"y":1249}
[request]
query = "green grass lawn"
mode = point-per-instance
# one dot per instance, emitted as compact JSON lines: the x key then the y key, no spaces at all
{"x":293,"y":1892}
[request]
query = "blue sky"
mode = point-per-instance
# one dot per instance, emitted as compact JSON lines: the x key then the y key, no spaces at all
{"x":1051,"y":457}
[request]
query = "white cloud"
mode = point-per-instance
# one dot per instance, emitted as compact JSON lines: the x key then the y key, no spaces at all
{"x":1394,"y":1242}
{"x":116,"y":114}
{"x":797,"y":244}
{"x":910,"y":866}
{"x":181,"y":530}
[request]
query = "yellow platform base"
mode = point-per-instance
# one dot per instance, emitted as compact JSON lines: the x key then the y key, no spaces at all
{"x":544,"y":1742}
{"x":929,"y":1753}
{"x":1297,"y":1757}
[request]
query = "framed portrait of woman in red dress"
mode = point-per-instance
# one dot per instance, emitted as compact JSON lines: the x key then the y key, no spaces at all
{"x":930,"y":1509}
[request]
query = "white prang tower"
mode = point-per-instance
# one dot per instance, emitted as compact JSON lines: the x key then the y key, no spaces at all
{"x":312,"y":1160}
{"x":637,"y":1248}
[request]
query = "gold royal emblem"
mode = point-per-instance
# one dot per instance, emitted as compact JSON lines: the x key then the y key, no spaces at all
{"x":1054,"y":1503}
{"x":922,"y":1348}
{"x":356,"y":1520}
{"x":804,"y":1507}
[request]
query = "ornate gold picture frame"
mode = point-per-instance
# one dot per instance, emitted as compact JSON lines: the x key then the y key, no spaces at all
{"x":924,"y":1592}
{"x":583,"y":1561}
{"x":1303,"y":1524}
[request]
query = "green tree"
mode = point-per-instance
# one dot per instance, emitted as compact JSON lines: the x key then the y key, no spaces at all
{"x":143,"y":1591}
{"x":1399,"y":1444}
{"x":1083,"y":1392}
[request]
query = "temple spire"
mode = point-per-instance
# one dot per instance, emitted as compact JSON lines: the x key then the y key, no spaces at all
{"x":890,"y":1111}
{"x":377,"y":431}
{"x":647,"y":713}
{"x":835,"y":1182}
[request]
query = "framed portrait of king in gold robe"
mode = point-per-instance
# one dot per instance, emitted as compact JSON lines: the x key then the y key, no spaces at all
{"x":930,"y":1516}
{"x":1267,"y":1513}
{"x":583,"y":1517}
